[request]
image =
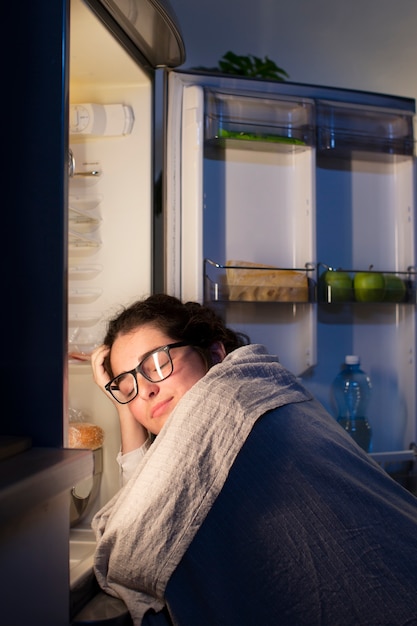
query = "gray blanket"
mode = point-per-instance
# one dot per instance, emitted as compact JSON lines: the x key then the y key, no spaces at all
{"x":144,"y":531}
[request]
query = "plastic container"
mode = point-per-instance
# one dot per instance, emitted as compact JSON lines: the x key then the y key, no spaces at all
{"x":351,"y":389}
{"x":266,"y":122}
{"x":344,"y":127}
{"x":101,"y":119}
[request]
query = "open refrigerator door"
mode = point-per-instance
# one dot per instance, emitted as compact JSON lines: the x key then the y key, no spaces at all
{"x":280,"y":178}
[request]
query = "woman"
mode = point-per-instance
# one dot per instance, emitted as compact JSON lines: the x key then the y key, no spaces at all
{"x":252,"y":506}
{"x":156,"y":323}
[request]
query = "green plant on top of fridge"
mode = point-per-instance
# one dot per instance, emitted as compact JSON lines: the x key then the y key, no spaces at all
{"x":248,"y":65}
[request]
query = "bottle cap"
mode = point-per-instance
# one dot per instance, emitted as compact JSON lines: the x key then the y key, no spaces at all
{"x":352,"y":359}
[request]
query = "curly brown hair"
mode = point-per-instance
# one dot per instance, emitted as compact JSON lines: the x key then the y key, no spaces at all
{"x":192,"y":322}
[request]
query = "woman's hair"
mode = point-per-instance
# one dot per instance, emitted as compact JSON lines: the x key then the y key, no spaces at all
{"x":192,"y":322}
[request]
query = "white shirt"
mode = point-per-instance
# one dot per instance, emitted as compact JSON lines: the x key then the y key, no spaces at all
{"x":128,"y":462}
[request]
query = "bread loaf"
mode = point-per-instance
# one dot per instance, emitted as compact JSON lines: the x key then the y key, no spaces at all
{"x":266,"y":285}
{"x":85,"y":435}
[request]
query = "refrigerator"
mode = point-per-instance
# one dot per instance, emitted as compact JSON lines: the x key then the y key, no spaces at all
{"x":186,"y":182}
{"x":128,"y":175}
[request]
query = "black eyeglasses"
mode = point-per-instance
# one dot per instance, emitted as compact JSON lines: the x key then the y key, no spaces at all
{"x":155,"y":367}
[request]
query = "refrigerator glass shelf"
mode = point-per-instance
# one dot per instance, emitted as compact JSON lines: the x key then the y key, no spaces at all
{"x":84,"y":272}
{"x":82,"y":340}
{"x":82,"y":243}
{"x":367,"y":286}
{"x":83,"y":203}
{"x":80,"y":352}
{"x":80,"y":249}
{"x":240,"y":281}
{"x":82,"y":238}
{"x":84,"y":227}
{"x":83,"y":296}
{"x":80,"y":216}
{"x":84,"y":319}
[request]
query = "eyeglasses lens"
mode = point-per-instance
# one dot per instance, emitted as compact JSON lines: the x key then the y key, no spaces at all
{"x":125,"y":387}
{"x":157,"y":366}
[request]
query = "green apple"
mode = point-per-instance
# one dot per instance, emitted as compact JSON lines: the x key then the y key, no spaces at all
{"x":336,"y":286}
{"x":395,"y":289}
{"x":369,"y":286}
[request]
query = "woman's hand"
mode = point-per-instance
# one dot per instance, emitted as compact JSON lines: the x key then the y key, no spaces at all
{"x":133,"y":434}
{"x":101,"y":377}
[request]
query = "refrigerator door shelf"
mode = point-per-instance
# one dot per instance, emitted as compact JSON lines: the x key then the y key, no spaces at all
{"x":249,"y":282}
{"x":343,"y":128}
{"x":337,"y":285}
{"x":255,"y":142}
{"x":258,"y":122}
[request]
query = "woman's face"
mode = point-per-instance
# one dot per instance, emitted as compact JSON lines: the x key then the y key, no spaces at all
{"x":156,"y":401}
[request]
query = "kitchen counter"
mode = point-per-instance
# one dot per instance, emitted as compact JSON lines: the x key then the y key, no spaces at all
{"x":34,"y":532}
{"x":37,"y":475}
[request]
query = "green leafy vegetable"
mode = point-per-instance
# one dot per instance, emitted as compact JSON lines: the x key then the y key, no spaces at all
{"x":229,"y":134}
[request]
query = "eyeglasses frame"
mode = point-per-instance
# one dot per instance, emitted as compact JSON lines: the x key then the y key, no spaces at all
{"x":138,"y":369}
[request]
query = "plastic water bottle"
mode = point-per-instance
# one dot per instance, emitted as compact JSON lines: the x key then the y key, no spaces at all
{"x":351,"y":390}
